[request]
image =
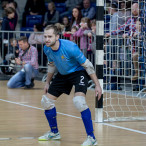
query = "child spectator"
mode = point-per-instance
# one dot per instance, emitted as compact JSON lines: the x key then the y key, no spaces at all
{"x":10,"y":57}
{"x":66,"y":23}
{"x":69,"y":34}
{"x":85,"y":25}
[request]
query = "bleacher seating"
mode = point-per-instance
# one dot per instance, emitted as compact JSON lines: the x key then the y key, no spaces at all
{"x":26,"y":29}
{"x":33,"y":19}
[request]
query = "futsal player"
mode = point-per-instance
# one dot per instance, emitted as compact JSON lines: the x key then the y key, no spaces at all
{"x":73,"y":69}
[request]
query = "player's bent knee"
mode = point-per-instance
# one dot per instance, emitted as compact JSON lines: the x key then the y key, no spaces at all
{"x":47,"y":103}
{"x":80,"y":103}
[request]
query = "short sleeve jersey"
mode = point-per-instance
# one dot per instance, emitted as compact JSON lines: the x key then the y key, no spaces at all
{"x":68,"y":58}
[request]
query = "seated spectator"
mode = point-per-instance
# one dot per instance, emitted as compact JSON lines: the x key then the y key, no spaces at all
{"x":85,"y":25}
{"x":33,"y":7}
{"x":87,"y":10}
{"x":37,"y":39}
{"x":76,"y":17}
{"x":28,"y":59}
{"x":66,"y":23}
{"x":69,"y":34}
{"x":70,"y":4}
{"x":51,"y":16}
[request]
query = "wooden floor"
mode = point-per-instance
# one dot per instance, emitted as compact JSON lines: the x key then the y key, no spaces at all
{"x":22,"y":120}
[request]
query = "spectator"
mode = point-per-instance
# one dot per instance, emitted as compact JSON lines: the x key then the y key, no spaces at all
{"x":12,"y":54}
{"x":92,"y":34}
{"x":76,"y":17}
{"x":114,"y":17}
{"x":136,"y":37}
{"x":123,"y":14}
{"x":33,"y":7}
{"x":28,"y":59}
{"x":7,"y":23}
{"x":85,"y":25}
{"x":14,"y":6}
{"x":87,"y":10}
{"x":69,"y":34}
{"x":70,"y":4}
{"x":66,"y":23}
{"x":36,"y":39}
{"x":51,"y":16}
{"x":129,"y":25}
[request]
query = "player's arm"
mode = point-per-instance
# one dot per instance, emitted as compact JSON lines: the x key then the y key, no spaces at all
{"x":51,"y":70}
{"x":91,"y":72}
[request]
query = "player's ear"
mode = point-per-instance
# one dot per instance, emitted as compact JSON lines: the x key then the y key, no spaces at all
{"x":57,"y":37}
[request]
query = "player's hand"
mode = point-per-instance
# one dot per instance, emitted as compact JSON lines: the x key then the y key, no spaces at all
{"x":98,"y":91}
{"x":46,"y":88}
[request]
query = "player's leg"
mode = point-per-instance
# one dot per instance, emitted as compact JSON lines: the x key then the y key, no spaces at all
{"x":81,"y":105}
{"x":56,"y":88}
{"x":48,"y":104}
{"x":81,"y":83}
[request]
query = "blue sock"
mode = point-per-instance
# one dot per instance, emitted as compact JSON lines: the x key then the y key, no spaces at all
{"x":51,"y":117}
{"x":87,"y":120}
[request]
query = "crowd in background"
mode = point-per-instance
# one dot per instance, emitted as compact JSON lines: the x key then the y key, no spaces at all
{"x":77,"y":23}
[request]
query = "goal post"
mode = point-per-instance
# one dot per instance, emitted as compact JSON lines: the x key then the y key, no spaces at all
{"x":121,"y":61}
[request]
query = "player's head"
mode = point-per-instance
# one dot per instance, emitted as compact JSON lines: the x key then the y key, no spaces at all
{"x":23,"y":42}
{"x":51,"y":35}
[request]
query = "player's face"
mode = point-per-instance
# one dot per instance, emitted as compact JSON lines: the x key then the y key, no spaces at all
{"x":50,"y":38}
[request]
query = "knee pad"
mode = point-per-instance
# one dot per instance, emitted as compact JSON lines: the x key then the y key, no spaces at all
{"x":80,"y":103}
{"x":47,"y":103}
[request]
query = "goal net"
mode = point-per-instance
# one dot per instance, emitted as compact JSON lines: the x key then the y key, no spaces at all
{"x":124,"y":60}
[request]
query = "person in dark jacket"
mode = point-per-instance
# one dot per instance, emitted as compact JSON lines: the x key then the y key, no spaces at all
{"x":8,"y":23}
{"x":33,"y":7}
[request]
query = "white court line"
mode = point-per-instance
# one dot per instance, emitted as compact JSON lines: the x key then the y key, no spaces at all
{"x":124,"y":128}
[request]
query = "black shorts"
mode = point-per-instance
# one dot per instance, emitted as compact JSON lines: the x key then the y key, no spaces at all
{"x":64,"y":83}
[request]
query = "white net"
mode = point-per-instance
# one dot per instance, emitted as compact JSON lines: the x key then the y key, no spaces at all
{"x":125,"y":60}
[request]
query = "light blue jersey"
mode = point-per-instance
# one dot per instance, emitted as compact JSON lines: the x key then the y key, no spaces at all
{"x":67,"y":58}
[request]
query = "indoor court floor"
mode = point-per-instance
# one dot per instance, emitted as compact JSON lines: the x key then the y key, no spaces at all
{"x":22,"y":121}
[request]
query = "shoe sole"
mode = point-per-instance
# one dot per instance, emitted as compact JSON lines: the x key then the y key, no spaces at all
{"x":90,"y":145}
{"x":57,"y":138}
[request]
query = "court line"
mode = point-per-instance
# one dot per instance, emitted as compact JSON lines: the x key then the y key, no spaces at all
{"x":106,"y":124}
